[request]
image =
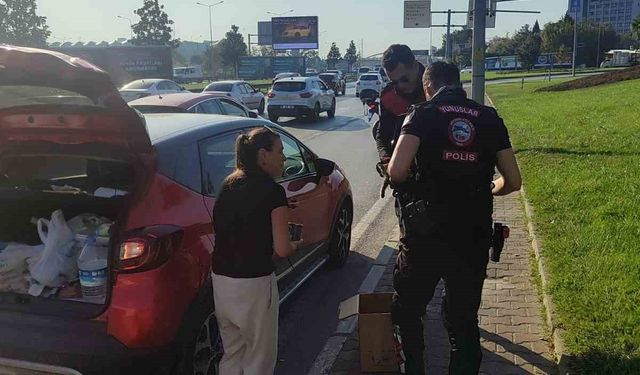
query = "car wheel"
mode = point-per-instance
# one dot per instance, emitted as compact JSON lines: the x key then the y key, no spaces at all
{"x":202,"y":347}
{"x":340,"y":245}
{"x":332,"y":111}
{"x":261,"y":107}
{"x":315,"y":115}
{"x":273,"y":118}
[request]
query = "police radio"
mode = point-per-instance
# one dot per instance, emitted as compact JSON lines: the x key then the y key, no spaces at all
{"x":500,"y":233}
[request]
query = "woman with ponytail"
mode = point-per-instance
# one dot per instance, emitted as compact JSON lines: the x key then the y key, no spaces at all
{"x":251,"y":226}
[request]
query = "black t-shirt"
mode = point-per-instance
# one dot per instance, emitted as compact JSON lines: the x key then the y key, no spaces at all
{"x":242,"y":223}
{"x":459,"y":140}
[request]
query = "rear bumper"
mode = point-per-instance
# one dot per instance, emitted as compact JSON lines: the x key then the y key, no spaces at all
{"x":297,"y":110}
{"x":61,"y":346}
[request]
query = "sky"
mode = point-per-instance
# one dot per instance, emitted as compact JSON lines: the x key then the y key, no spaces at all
{"x":375,"y":23}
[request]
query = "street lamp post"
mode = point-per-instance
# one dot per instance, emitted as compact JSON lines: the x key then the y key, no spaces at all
{"x":575,"y":42}
{"x":281,"y":13}
{"x":210,"y":34}
{"x":130,"y":25}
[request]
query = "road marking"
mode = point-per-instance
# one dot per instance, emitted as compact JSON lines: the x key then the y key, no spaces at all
{"x":365,"y":222}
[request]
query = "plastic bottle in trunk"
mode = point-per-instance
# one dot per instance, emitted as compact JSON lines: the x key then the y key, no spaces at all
{"x":92,"y":265}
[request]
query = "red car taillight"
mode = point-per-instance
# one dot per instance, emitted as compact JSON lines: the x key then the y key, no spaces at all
{"x":305,"y":95}
{"x":148,"y":248}
{"x":271,"y":95}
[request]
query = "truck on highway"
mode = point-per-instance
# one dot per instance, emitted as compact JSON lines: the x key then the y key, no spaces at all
{"x":188,"y":74}
{"x":621,"y":58}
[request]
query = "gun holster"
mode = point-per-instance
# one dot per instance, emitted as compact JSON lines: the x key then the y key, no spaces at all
{"x":500,"y":233}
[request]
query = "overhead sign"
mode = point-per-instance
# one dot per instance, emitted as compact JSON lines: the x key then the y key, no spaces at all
{"x":491,"y":14}
{"x":294,"y":32}
{"x":417,"y":14}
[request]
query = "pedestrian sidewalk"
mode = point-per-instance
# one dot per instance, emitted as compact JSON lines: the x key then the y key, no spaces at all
{"x":511,"y":324}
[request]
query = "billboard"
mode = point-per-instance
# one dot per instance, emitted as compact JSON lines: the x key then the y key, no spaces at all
{"x":127,"y":63}
{"x":545,"y":60}
{"x":294,"y":32}
{"x":261,"y":67}
{"x":264,"y":34}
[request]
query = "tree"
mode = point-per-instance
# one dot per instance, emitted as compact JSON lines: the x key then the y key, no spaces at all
{"x":461,"y":45}
{"x":635,"y":28}
{"x":232,"y":48}
{"x":178,"y":59}
{"x":351,"y":55}
{"x":536,"y":28}
{"x":21,"y":25}
{"x":528,"y":44}
{"x":154,"y":28}
{"x":501,"y":46}
{"x":208,"y":69}
{"x":334,"y":55}
{"x":560,"y":34}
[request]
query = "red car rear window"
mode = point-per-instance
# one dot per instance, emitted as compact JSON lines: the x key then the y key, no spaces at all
{"x":19,"y":96}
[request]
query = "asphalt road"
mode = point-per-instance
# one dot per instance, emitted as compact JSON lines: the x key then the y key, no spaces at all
{"x":310,"y":316}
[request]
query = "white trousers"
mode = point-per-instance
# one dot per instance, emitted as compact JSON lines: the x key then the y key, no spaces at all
{"x":247,"y":313}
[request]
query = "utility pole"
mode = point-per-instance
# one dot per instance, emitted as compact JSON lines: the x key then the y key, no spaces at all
{"x":479,"y":47}
{"x":598,"y":58}
{"x":210,"y":34}
{"x":575,"y":42}
{"x":449,"y":39}
{"x":449,"y":52}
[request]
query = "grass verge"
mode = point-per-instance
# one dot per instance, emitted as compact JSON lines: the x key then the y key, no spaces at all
{"x":493,"y":76}
{"x":580,"y":156}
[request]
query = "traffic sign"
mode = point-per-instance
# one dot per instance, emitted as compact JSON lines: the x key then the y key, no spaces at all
{"x":491,"y":14}
{"x":417,"y":14}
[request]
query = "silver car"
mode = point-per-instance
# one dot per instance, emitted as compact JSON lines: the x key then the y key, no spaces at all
{"x":300,"y":97}
{"x":241,"y":91}
{"x":147,"y":87}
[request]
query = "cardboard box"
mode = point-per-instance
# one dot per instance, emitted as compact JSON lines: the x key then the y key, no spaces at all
{"x":375,"y":329}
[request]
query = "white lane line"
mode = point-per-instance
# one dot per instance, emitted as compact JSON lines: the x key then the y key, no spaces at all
{"x":362,"y":228}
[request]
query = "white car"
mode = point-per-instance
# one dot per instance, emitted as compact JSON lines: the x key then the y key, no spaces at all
{"x":372,"y":82}
{"x":241,"y":91}
{"x":466,"y":69}
{"x":147,"y":87}
{"x":300,"y":97}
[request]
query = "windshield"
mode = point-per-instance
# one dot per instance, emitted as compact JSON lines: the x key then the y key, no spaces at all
{"x":327,"y":77}
{"x":369,"y":77}
{"x":180,"y":71}
{"x":289,"y":86}
{"x":138,"y":85}
{"x":18,"y":96}
{"x":224,"y":87}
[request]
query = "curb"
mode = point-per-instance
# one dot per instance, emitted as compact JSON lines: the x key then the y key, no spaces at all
{"x":331,"y":351}
{"x":557,"y":332}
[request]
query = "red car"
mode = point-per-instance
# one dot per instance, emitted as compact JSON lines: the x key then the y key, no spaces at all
{"x":212,"y":104}
{"x":63,"y":124}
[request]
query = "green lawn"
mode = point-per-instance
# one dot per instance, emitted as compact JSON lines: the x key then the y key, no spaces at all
{"x":580,"y":155}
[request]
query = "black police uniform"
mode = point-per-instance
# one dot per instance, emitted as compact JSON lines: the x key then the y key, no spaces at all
{"x":448,"y":224}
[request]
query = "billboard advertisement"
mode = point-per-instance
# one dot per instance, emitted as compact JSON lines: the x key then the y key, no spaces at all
{"x":262,"y":67}
{"x":545,"y":60}
{"x":264,"y":34}
{"x":126,"y":64}
{"x":294,"y":32}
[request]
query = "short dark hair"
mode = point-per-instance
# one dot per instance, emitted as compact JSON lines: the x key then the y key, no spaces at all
{"x":441,"y":74}
{"x":397,"y":54}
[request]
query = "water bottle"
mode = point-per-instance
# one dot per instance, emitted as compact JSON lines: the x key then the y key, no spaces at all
{"x":92,"y":266}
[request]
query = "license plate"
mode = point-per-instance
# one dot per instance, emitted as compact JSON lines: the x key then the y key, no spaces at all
{"x":287,"y":107}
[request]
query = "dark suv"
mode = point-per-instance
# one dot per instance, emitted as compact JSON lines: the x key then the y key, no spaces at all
{"x":334,"y":82}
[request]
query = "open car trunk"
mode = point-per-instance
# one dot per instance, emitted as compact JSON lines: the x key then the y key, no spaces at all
{"x":69,"y":146}
{"x":91,"y":192}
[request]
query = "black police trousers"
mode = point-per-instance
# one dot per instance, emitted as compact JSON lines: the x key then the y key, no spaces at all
{"x":462,"y":264}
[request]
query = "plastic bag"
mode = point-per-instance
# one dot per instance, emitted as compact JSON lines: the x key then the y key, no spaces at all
{"x":13,"y":258}
{"x":58,"y":261}
{"x":86,"y":223}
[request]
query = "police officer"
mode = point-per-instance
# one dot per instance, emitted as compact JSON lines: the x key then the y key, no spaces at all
{"x":405,"y":73}
{"x":447,"y":152}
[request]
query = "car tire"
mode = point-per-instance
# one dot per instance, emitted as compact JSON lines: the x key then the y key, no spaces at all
{"x":340,"y":245}
{"x":200,"y":341}
{"x":332,"y":111}
{"x":261,"y":107}
{"x":273,"y":118}
{"x":315,"y":114}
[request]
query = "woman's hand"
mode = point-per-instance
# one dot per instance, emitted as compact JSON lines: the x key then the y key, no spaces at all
{"x":280,"y":231}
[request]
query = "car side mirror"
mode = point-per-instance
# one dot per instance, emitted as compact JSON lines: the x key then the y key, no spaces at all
{"x":325,"y":167}
{"x":253,"y":114}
